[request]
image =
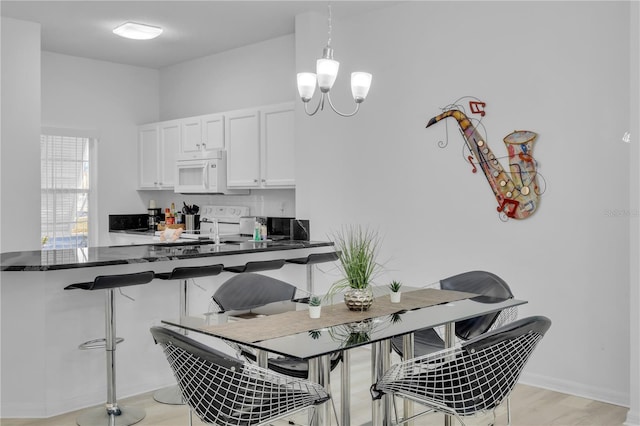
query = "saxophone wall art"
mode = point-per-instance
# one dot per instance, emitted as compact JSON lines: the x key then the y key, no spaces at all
{"x":517,"y":192}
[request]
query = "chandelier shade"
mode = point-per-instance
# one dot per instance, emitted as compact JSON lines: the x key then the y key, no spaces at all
{"x":327,"y":71}
{"x":360,"y":84}
{"x":306,"y":85}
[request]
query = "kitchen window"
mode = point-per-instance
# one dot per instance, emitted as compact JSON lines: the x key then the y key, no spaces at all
{"x":65,"y":176}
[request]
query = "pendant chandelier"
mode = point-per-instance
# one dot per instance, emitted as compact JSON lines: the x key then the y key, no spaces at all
{"x":325,"y":76}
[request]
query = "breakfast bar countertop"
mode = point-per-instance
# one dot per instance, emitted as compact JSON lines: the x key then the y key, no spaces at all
{"x":47,"y":260}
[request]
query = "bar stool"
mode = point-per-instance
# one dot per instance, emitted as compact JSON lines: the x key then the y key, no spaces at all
{"x":312,"y":259}
{"x":257,"y":266}
{"x":113,"y":415}
{"x":172,"y":395}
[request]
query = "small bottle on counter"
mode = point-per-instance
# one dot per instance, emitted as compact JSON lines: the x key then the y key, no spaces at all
{"x":168,"y":219}
{"x":263,"y":232}
{"x":256,"y":231}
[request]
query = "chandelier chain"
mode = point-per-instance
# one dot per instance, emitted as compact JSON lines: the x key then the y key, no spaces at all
{"x":329,"y":24}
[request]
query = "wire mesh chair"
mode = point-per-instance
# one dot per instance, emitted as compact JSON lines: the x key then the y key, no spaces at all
{"x":491,"y":288}
{"x":225,"y":391}
{"x":473,"y":378}
{"x":249,"y":291}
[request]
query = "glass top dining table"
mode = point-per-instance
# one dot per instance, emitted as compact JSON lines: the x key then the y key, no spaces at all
{"x":315,"y":340}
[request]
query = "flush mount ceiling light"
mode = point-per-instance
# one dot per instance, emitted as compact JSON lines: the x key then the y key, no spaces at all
{"x":326,"y":73}
{"x":136,"y":31}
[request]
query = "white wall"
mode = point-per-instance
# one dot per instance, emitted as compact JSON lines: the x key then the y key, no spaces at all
{"x":249,"y":76}
{"x":567,"y":80}
{"x":110,"y":100}
{"x":20,"y":136}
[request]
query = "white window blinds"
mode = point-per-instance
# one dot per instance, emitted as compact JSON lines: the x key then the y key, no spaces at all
{"x":64,"y":177}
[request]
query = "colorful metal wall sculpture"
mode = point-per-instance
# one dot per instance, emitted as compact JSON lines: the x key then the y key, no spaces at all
{"x":517,"y":192}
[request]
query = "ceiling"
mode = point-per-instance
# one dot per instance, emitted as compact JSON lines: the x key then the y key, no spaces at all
{"x":192,"y":29}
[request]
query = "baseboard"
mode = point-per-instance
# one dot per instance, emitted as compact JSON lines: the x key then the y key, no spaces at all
{"x":575,"y":388}
{"x":13,"y":410}
{"x":633,"y":419}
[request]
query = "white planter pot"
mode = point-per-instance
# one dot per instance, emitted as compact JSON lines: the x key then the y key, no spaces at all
{"x":395,"y":296}
{"x":314,"y":311}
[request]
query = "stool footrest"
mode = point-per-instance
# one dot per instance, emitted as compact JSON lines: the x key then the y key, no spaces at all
{"x":97,"y":343}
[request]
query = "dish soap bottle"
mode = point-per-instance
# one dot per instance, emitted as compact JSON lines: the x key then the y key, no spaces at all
{"x":256,"y":231}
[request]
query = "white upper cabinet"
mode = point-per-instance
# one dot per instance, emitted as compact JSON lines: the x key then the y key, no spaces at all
{"x":277,"y":147}
{"x":259,"y":143}
{"x":148,"y":156}
{"x":242,"y":139}
{"x":202,"y":133}
{"x":158,"y":146}
{"x":260,"y":147}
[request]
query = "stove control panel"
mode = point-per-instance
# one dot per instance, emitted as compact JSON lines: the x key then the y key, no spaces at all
{"x":230,"y":214}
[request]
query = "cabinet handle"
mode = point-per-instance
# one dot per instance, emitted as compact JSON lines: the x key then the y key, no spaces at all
{"x":263,"y":180}
{"x":255,"y":181}
{"x":204,"y":145}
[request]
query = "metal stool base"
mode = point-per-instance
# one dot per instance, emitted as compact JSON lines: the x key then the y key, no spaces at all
{"x":171,"y":395}
{"x":98,"y":416}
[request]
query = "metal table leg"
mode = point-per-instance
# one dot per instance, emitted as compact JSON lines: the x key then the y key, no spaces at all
{"x":319,"y":372}
{"x":408,"y":351}
{"x":345,"y":390}
{"x":380,"y":362}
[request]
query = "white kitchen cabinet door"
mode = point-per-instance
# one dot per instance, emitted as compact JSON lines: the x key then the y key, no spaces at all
{"x":212,"y":131}
{"x":277,"y":146}
{"x":242,"y":139}
{"x":158,"y":145}
{"x":202,"y":133}
{"x":148,"y":157}
{"x":169,"y":146}
{"x":191,"y":135}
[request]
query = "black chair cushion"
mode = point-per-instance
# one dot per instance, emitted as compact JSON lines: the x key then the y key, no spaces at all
{"x":187,"y":272}
{"x":490,"y":286}
{"x":314,"y":258}
{"x":425,"y":341}
{"x":113,"y":281}
{"x":167,"y":336}
{"x":257,"y":266}
{"x":248,"y":291}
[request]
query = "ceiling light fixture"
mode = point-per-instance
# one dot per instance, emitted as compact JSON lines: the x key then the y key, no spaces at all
{"x":326,"y":73}
{"x":136,"y":31}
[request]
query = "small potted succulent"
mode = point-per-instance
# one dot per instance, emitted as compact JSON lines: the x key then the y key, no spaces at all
{"x":395,"y":294}
{"x":314,"y":306}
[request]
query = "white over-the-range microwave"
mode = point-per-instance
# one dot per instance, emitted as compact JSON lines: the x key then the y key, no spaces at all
{"x":204,"y":174}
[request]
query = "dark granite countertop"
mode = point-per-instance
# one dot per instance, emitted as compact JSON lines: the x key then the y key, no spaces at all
{"x":47,"y":260}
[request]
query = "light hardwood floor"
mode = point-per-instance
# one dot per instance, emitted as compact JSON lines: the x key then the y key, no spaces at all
{"x":530,"y":406}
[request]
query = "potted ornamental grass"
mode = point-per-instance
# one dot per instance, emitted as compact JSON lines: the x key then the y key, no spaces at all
{"x":357,"y":248}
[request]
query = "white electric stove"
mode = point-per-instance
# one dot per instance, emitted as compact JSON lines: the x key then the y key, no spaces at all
{"x":228,"y":218}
